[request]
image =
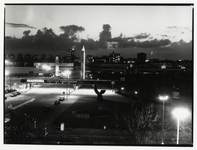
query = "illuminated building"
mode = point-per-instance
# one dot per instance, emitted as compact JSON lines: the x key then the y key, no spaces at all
{"x":114,"y":58}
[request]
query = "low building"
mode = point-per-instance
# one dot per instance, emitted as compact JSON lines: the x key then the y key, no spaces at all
{"x":41,"y":69}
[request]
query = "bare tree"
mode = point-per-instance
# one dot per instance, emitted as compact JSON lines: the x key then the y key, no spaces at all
{"x":143,"y":121}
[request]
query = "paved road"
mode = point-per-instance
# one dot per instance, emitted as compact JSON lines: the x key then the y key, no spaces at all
{"x":28,"y":107}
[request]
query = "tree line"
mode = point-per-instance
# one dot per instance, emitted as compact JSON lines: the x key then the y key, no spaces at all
{"x":46,"y":39}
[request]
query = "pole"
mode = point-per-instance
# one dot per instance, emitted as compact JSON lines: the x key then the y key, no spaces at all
{"x":178,"y":130}
{"x":68,"y":86}
{"x":67,"y":89}
{"x":163,"y":123}
{"x":25,"y":118}
{"x":34,"y":119}
{"x":10,"y":82}
{"x":83,"y":62}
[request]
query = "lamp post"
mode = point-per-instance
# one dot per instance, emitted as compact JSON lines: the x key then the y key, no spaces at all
{"x":180,"y":114}
{"x":135,"y":94}
{"x":67,"y":73}
{"x":163,"y":98}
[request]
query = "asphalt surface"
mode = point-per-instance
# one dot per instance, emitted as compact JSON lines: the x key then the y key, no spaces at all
{"x":86,"y":121}
{"x":30,"y":115}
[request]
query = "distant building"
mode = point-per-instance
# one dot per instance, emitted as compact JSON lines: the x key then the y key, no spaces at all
{"x":114,"y":57}
{"x":112,"y":45}
{"x":40,"y":69}
{"x":70,"y":55}
{"x":141,"y":57}
{"x":106,"y":70}
{"x":89,"y":58}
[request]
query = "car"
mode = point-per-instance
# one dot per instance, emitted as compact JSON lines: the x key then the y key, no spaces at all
{"x":18,"y":93}
{"x":7,"y":120}
{"x":13,"y":95}
{"x":47,"y":108}
{"x":56,"y":102}
{"x":61,"y":98}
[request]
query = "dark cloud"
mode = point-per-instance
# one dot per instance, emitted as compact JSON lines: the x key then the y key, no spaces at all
{"x":18,"y":25}
{"x":153,"y":43}
{"x":164,"y":35}
{"x":72,"y":29}
{"x":142,"y":36}
{"x":172,"y":27}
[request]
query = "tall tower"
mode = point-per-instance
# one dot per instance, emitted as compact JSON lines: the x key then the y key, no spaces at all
{"x":57,"y":69}
{"x":83,"y":62}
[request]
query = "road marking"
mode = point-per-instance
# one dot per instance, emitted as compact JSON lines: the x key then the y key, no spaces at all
{"x":31,"y":100}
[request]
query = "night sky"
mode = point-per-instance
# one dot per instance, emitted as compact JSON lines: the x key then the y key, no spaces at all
{"x":142,"y":23}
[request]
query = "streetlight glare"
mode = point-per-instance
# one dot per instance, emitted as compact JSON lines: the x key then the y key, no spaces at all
{"x":6,"y":62}
{"x":67,"y":72}
{"x":46,"y":67}
{"x":180,"y":113}
{"x":6,"y":72}
{"x":163,"y":98}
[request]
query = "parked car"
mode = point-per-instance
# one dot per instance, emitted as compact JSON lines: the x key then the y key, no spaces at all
{"x":7,"y":120}
{"x":13,"y":95}
{"x":47,"y":108}
{"x":61,"y":98}
{"x":56,"y":102}
{"x":18,"y":93}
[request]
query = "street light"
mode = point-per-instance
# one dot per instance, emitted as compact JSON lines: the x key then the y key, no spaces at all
{"x":67,"y":73}
{"x":180,"y":113}
{"x":163,"y":98}
{"x":136,"y":92}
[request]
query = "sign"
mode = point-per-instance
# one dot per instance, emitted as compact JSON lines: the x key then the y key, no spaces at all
{"x":176,"y":95}
{"x":32,"y":80}
{"x":62,"y":127}
{"x":112,"y":82}
{"x":35,"y":80}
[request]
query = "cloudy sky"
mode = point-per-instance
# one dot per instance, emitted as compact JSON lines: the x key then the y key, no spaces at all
{"x":160,"y":22}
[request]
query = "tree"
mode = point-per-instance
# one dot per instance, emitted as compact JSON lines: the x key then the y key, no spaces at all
{"x":105,"y":35}
{"x":26,"y":33}
{"x":43,"y":58}
{"x":143,"y":121}
{"x":12,"y":56}
{"x":50,"y":58}
{"x":45,"y":39}
{"x":89,"y":44}
{"x":70,"y":36}
{"x":19,"y":57}
{"x":71,"y":31}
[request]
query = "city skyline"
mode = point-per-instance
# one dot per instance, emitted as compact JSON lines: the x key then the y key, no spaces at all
{"x":98,"y":74}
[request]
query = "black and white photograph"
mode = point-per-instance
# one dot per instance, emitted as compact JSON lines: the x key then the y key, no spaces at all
{"x":98,"y":74}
